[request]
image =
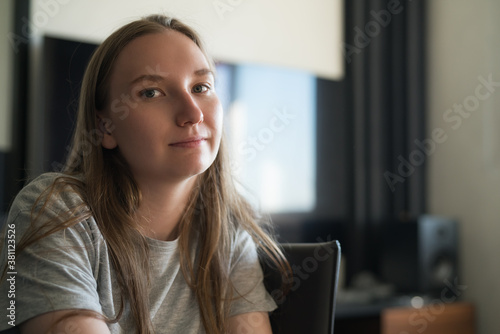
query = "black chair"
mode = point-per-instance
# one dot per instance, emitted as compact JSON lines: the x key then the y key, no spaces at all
{"x":309,"y":306}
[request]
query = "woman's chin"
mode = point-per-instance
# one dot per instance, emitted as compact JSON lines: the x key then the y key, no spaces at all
{"x":191,"y":170}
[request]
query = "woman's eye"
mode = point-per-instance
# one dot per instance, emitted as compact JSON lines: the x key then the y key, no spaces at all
{"x":200,"y":88}
{"x":150,"y":93}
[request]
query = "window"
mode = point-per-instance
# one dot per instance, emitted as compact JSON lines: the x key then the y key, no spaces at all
{"x":270,"y":125}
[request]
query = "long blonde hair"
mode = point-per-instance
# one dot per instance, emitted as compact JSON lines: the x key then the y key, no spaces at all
{"x":111,"y":195}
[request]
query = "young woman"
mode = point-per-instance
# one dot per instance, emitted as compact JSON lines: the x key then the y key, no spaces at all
{"x":143,"y":231}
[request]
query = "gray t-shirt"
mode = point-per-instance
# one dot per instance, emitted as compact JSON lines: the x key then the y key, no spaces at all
{"x":71,"y":269}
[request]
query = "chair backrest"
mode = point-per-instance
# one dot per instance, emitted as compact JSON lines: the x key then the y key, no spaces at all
{"x":309,"y":306}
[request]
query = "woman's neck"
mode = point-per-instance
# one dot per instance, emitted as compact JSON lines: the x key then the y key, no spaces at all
{"x":162,"y":206}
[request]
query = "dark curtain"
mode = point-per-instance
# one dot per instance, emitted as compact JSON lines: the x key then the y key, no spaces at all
{"x":384,"y":57}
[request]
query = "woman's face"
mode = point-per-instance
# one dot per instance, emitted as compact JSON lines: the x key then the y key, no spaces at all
{"x":166,"y":118}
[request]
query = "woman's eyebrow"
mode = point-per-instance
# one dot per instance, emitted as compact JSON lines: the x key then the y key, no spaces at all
{"x":147,"y":77}
{"x":159,"y":78}
{"x":204,"y":71}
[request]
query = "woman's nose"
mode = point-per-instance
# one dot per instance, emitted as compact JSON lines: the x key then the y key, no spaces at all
{"x":188,"y":111}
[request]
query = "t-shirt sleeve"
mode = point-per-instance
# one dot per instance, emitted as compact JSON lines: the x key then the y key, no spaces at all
{"x":246,"y":276}
{"x":54,"y":273}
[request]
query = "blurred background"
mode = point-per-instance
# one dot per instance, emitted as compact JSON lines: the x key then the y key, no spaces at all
{"x":372,"y":122}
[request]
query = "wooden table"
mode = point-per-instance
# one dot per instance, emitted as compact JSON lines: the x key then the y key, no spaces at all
{"x":435,"y":318}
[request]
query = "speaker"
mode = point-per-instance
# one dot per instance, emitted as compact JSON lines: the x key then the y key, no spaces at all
{"x":420,"y":256}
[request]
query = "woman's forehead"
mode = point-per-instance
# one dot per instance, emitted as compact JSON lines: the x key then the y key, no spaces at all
{"x":160,"y":54}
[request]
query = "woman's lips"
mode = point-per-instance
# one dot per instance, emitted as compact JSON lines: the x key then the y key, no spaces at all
{"x":189,"y":143}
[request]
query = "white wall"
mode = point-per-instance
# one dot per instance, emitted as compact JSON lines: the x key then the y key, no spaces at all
{"x":305,"y":35}
{"x":464,"y":171}
{"x":6,"y":27}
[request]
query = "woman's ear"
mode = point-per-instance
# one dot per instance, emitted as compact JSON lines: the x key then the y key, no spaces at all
{"x":106,"y":127}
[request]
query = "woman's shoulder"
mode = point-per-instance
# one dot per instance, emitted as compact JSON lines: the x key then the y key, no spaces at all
{"x":46,"y":202}
{"x":242,"y":242}
{"x":37,"y":191}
